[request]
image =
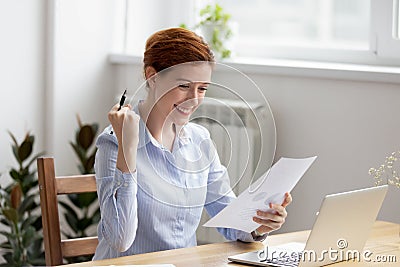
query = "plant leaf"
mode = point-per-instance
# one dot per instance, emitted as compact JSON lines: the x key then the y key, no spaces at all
{"x":11,"y":214}
{"x":34,"y":249}
{"x":10,"y":236}
{"x":15,"y":175}
{"x":71,"y":216}
{"x":38,"y":260}
{"x":5,"y":222}
{"x":78,"y":152}
{"x":15,"y":152}
{"x":29,"y":235}
{"x":5,"y":245}
{"x":28,"y":182}
{"x":15,"y":196}
{"x":83,"y":200}
{"x":26,"y":204}
{"x":38,"y":223}
{"x":28,"y":222}
{"x":72,"y":222}
{"x":9,"y":259}
{"x":68,"y":208}
{"x":95,"y":128}
{"x":13,"y":138}
{"x":90,"y":164}
{"x":25,"y":150}
{"x":86,"y":137}
{"x":83,"y":224}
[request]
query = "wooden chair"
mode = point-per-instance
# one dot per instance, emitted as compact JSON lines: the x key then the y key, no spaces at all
{"x":50,"y":187}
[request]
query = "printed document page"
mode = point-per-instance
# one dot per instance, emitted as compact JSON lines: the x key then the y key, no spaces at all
{"x":269,"y":188}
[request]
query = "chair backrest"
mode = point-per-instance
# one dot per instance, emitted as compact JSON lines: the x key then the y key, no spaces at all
{"x":50,"y":187}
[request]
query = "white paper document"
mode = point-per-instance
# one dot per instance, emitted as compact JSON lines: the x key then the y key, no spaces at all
{"x":269,"y":188}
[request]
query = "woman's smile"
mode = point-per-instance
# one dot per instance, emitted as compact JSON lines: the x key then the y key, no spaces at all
{"x":184,"y":110}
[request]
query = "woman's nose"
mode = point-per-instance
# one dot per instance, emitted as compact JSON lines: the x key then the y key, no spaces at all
{"x":193,"y":96}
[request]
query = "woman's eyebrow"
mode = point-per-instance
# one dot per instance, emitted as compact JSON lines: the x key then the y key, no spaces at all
{"x":189,"y":81}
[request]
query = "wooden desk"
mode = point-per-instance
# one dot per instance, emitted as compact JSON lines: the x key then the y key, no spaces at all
{"x":383,"y":240}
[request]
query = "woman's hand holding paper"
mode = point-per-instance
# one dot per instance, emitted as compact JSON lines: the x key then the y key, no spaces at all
{"x":274,"y":218}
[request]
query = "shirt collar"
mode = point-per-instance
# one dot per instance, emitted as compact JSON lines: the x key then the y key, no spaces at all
{"x":145,"y":136}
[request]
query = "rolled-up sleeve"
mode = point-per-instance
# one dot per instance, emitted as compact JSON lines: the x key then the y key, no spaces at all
{"x":117,"y":194}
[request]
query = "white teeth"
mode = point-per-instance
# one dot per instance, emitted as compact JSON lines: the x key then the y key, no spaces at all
{"x":184,"y":110}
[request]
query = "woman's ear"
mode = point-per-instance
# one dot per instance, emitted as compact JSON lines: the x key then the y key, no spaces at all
{"x":150,"y":75}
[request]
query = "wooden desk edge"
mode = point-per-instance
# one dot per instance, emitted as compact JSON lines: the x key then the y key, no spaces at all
{"x":205,"y":255}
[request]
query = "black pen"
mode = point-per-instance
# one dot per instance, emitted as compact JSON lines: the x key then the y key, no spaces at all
{"x":121,"y":103}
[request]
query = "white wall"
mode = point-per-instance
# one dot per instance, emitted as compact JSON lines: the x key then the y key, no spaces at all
{"x":83,"y":77}
{"x":22,"y":75}
{"x":21,"y":79}
{"x":350,"y":125}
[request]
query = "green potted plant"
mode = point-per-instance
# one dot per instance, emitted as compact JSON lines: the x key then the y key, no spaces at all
{"x":19,"y":209}
{"x":215,"y":27}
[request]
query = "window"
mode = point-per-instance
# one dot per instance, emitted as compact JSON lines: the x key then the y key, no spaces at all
{"x":396,"y":17}
{"x":313,"y":23}
{"x":301,"y":29}
{"x":384,"y":29}
{"x":360,"y":31}
{"x":142,"y":18}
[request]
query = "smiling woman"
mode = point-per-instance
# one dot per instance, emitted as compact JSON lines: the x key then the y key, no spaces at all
{"x":177,"y":65}
{"x":158,"y":170}
{"x":174,"y":99}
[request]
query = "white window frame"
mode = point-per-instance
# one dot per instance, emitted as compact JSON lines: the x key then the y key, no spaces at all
{"x":384,"y":24}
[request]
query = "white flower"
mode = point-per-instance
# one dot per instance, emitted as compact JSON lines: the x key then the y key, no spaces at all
{"x":387,"y":171}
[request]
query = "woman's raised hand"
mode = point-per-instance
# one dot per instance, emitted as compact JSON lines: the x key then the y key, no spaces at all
{"x":125,"y":123}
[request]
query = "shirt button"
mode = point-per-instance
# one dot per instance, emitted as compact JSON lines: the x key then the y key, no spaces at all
{"x":118,"y":183}
{"x":126,"y":184}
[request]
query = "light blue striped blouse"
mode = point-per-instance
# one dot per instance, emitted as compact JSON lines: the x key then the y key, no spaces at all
{"x":159,"y":206}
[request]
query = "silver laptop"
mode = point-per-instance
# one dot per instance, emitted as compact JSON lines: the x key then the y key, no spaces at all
{"x":339,"y":233}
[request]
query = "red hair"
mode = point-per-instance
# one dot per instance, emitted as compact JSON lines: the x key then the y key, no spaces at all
{"x":174,"y":46}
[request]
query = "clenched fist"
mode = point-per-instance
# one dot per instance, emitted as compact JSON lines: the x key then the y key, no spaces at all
{"x":125,"y":123}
